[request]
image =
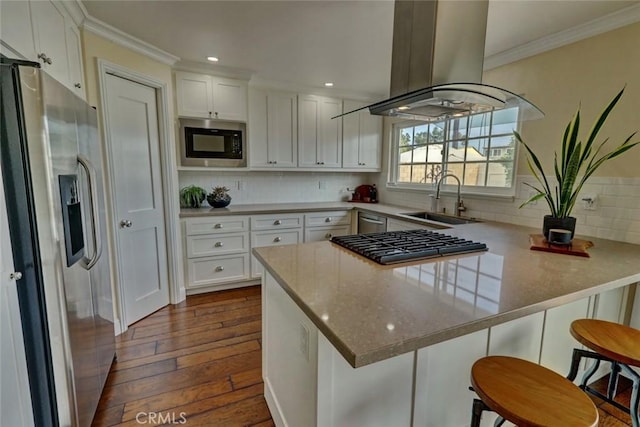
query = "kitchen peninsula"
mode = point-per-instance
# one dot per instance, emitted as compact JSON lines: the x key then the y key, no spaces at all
{"x":350,"y":342}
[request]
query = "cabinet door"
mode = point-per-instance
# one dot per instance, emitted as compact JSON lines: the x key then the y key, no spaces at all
{"x":308,"y":130}
{"x":194,"y":93}
{"x":257,"y":138}
{"x":229,"y":99}
{"x":351,"y":135}
{"x":74,"y":50}
{"x":282,"y":135}
{"x":370,"y":147}
{"x":319,"y":234}
{"x":330,"y":141}
{"x":16,"y":30}
{"x":49,"y":25}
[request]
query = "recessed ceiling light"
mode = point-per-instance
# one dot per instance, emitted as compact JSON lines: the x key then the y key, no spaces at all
{"x":212,"y":59}
{"x":405,"y":107}
{"x":328,"y":84}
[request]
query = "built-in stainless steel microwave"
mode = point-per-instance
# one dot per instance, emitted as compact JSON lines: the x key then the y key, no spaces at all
{"x":212,"y":144}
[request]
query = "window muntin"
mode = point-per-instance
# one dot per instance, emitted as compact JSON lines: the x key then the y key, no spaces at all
{"x":479,"y":149}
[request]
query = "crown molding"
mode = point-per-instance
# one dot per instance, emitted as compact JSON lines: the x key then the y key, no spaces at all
{"x":628,"y":15}
{"x":76,"y":10}
{"x":123,"y":39}
{"x":218,"y":70}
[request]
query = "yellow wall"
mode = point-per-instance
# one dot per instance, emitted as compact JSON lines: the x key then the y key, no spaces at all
{"x":588,"y":73}
{"x":95,"y":47}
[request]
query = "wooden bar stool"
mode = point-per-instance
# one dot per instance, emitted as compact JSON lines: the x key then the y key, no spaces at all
{"x":613,"y":343}
{"x":528,"y":394}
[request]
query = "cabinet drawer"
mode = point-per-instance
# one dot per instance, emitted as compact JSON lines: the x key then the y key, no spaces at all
{"x":271,"y":222}
{"x":217,"y":244}
{"x":275,"y":238}
{"x":221,"y":269}
{"x":318,"y":234}
{"x":220,"y":224}
{"x":321,"y":219}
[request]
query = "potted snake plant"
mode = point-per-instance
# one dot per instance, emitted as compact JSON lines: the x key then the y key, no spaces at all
{"x":572,"y":167}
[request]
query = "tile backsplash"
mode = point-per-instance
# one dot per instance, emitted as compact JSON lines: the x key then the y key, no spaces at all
{"x":279,"y":187}
{"x":616,"y":213}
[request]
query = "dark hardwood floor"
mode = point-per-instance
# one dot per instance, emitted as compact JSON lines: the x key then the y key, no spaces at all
{"x":198,"y":363}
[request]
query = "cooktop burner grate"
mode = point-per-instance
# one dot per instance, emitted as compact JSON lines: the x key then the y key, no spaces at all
{"x":397,"y":246}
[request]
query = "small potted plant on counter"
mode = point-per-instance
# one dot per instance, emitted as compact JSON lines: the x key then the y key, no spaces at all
{"x":219,"y":197}
{"x":573,"y":166}
{"x":192,"y":196}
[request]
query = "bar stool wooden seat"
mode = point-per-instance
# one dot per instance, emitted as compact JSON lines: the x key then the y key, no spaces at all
{"x":528,"y":394}
{"x":614,"y":343}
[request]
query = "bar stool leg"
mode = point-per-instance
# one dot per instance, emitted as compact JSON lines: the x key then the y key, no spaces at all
{"x":476,"y":412}
{"x":613,"y":380}
{"x":634,"y":406}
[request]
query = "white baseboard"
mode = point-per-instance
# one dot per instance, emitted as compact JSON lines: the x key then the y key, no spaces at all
{"x":272,"y":403}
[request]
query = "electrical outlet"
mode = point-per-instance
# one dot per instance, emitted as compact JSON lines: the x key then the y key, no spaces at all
{"x":589,"y":202}
{"x":239,"y":185}
{"x":530,"y":195}
{"x":322,"y":185}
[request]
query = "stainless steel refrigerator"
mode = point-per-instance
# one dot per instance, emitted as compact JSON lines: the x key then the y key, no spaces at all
{"x":51,"y":166}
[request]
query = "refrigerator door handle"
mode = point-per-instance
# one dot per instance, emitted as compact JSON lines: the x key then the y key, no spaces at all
{"x":95,"y":226}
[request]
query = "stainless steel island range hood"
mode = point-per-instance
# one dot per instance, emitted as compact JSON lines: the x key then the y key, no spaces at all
{"x":436,"y":64}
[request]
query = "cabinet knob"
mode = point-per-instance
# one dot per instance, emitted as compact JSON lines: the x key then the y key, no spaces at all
{"x":216,"y":114}
{"x":43,"y":56}
{"x":322,"y":163}
{"x":275,"y":162}
{"x":210,"y":113}
{"x":125,"y":223}
{"x":77,"y":85}
{"x":327,"y":219}
{"x":218,"y":244}
{"x":328,"y":235}
{"x":219,"y":268}
{"x":218,"y":226}
{"x":15,"y":275}
{"x":277,"y":239}
{"x":277,"y":222}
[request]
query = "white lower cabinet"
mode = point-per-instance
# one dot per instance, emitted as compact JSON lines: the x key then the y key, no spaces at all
{"x":217,"y":251}
{"x":309,"y":383}
{"x":319,"y":226}
{"x":273,"y":230}
{"x":218,"y":270}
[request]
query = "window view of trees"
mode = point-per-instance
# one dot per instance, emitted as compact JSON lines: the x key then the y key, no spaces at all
{"x":479,"y":149}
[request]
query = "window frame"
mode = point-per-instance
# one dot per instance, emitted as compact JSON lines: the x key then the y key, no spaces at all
{"x":480,"y":191}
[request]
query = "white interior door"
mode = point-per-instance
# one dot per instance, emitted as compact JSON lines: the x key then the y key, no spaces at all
{"x":15,"y":397}
{"x":132,"y":126}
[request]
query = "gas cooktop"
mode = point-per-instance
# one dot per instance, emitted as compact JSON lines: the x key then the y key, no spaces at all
{"x":398,"y":246}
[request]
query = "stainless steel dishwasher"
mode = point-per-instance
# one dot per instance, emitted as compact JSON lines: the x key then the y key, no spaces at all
{"x":371,"y":223}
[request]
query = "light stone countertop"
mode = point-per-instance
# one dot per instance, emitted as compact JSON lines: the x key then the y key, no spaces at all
{"x":371,"y":312}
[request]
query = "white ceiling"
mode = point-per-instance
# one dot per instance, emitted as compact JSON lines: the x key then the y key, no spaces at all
{"x":307,"y":43}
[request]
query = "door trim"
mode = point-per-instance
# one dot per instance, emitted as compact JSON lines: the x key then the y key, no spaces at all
{"x":168,"y":172}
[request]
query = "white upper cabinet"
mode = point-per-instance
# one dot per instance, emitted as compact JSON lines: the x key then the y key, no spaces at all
{"x":51,"y":40}
{"x":43,"y":31}
{"x":194,"y":95}
{"x":208,"y":97}
{"x":16,"y":31}
{"x":362,"y":138}
{"x":229,"y":99}
{"x":319,"y":136}
{"x":273,"y":136}
{"x":74,"y":51}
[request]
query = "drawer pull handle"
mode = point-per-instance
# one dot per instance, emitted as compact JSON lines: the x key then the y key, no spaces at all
{"x":277,"y":239}
{"x":277,"y":222}
{"x":218,"y":226}
{"x":327,"y":219}
{"x":219,"y":268}
{"x":218,"y":244}
{"x":328,"y":235}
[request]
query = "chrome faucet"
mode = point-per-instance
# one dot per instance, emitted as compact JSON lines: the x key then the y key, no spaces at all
{"x":459,"y":203}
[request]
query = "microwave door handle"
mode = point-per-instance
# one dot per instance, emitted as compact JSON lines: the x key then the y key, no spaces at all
{"x":96,"y":239}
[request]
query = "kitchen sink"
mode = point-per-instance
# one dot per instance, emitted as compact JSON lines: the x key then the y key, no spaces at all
{"x":447,"y":219}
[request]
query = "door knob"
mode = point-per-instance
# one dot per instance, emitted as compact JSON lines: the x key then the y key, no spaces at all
{"x":277,"y":239}
{"x":125,"y":223}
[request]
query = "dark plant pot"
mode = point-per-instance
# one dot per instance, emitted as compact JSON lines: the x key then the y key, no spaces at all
{"x":549,"y":222}
{"x":218,"y":203}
